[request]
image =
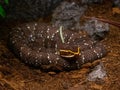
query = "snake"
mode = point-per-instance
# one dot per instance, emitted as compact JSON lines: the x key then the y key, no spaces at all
{"x":41,"y":45}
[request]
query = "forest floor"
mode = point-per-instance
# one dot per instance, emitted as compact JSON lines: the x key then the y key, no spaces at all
{"x":15,"y":75}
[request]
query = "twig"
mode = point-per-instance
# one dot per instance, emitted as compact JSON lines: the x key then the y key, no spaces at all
{"x":115,"y":23}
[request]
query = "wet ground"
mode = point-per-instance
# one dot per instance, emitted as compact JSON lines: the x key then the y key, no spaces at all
{"x":15,"y":75}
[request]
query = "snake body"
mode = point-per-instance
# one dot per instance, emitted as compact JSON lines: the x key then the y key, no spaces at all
{"x":38,"y":44}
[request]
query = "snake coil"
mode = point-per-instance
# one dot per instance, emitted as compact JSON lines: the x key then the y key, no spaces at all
{"x":38,"y":44}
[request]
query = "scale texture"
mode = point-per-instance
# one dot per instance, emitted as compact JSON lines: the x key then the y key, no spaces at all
{"x":38,"y":45}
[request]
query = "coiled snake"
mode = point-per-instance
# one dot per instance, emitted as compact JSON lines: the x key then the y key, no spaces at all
{"x":40,"y":45}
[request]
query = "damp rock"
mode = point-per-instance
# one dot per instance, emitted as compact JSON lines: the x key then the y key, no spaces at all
{"x":68,"y":14}
{"x":91,"y":1}
{"x":29,"y":9}
{"x":87,"y":2}
{"x":97,"y":73}
{"x":116,"y":3}
{"x":96,"y":29}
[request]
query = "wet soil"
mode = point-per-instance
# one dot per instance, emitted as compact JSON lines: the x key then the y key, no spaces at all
{"x":15,"y":75}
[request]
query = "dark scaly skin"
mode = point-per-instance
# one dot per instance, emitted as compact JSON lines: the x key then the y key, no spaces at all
{"x":38,"y":44}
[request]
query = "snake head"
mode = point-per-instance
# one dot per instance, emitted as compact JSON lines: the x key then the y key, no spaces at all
{"x":69,"y":53}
